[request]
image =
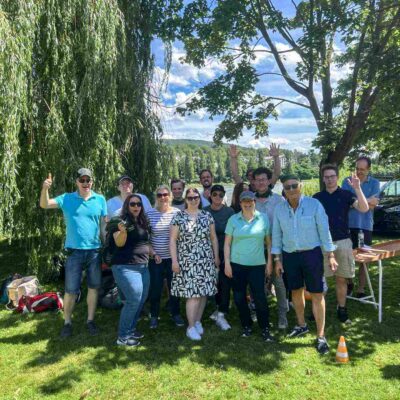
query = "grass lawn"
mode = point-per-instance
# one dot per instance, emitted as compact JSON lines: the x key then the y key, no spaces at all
{"x":36,"y":364}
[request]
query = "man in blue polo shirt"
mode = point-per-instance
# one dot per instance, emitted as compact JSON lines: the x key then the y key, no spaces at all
{"x":299,"y":234}
{"x":337,"y":204}
{"x":363,"y":221}
{"x":84,"y":212}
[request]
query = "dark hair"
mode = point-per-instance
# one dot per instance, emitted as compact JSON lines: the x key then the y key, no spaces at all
{"x":329,"y":166}
{"x":250,"y":171}
{"x":206,"y":170}
{"x":141,"y":220}
{"x":195,"y":190}
{"x":365,"y":158}
{"x":262,"y":170}
{"x":237,"y":190}
{"x":178,"y":180}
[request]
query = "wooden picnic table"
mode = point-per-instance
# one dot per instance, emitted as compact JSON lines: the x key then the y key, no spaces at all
{"x":375,"y":253}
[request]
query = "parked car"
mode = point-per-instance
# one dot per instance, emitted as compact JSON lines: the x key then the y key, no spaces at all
{"x":387,"y":213}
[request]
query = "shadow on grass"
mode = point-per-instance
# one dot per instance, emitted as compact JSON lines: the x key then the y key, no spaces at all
{"x":391,"y":372}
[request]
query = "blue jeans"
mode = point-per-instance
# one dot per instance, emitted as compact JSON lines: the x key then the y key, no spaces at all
{"x":76,"y":262}
{"x":157,"y":274}
{"x":134,"y":282}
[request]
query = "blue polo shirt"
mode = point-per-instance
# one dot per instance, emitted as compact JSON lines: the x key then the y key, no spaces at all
{"x":82,"y":219}
{"x":248,"y":238}
{"x":357,"y":219}
{"x":337,"y":206}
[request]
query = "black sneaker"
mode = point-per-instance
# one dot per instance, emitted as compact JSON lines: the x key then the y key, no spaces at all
{"x":128,"y":342}
{"x":322,"y":345}
{"x":66,"y":331}
{"x":137,"y":335}
{"x":267,"y":336}
{"x":342,"y":315}
{"x":178,"y":321}
{"x":92,"y":328}
{"x":246,"y":331}
{"x":298,"y":331}
{"x":350,"y":287}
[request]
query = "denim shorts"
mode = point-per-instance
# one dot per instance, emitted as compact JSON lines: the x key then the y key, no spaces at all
{"x":77,"y":261}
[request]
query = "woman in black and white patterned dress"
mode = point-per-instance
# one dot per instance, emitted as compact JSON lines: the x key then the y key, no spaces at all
{"x":194,"y":253}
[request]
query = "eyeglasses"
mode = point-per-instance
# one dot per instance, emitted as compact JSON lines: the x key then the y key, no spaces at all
{"x":135,"y":204}
{"x":221,"y":195}
{"x":291,"y":187}
{"x":192,"y":198}
{"x":160,"y":195}
{"x":330,"y":177}
{"x":261,"y":179}
{"x":83,"y":180}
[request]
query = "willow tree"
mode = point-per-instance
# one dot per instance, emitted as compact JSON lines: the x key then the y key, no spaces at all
{"x":236,"y":32}
{"x":74,"y":86}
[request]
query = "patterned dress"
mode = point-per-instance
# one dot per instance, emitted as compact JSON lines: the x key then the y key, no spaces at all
{"x":197,"y":275}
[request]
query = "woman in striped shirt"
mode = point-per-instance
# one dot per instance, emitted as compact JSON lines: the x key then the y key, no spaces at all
{"x":160,"y":266}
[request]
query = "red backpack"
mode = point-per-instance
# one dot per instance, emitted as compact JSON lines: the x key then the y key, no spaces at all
{"x":39,"y":303}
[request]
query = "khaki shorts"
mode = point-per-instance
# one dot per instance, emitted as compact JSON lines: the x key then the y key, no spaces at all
{"x":344,"y":257}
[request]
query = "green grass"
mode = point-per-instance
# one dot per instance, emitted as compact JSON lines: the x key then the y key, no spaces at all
{"x":36,"y":364}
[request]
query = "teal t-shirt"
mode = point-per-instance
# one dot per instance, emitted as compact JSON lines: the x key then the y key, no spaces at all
{"x":82,"y":219}
{"x":248,"y":238}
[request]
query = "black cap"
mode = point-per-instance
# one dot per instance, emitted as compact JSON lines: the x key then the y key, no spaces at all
{"x":217,"y":188}
{"x":124,"y":177}
{"x":84,"y":172}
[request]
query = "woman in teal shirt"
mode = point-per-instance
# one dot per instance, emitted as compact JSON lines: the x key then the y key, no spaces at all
{"x":247,"y":234}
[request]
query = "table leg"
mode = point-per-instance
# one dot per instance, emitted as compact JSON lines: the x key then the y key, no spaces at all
{"x":380,"y":291}
{"x":371,"y":290}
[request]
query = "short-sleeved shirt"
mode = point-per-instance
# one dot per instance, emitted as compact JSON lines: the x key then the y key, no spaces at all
{"x":337,"y":206}
{"x":82,"y":219}
{"x":221,"y":217}
{"x":115,"y":204}
{"x":248,"y":238}
{"x":357,"y":219}
{"x":160,"y":230}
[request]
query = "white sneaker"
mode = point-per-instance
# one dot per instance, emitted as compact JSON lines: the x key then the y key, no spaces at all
{"x":214,"y":315}
{"x":199,"y":327}
{"x":192,"y":333}
{"x":222,"y":323}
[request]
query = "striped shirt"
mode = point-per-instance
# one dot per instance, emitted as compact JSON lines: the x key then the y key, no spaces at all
{"x":159,"y":237}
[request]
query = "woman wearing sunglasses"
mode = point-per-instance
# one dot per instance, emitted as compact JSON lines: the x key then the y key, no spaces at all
{"x":129,"y":266}
{"x":160,"y":266}
{"x":194,"y":253}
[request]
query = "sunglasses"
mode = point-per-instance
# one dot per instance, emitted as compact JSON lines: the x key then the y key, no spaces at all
{"x":290,"y":187}
{"x":83,"y":180}
{"x":194,"y":198}
{"x":135,"y":204}
{"x":160,"y":195}
{"x":221,"y":195}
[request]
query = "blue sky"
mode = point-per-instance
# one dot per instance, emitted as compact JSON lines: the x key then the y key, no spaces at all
{"x":294,"y":129}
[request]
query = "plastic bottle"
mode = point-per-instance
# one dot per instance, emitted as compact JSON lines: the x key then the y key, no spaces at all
{"x":360,"y":239}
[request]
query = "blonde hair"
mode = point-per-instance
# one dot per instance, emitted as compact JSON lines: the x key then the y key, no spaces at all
{"x":163,"y":187}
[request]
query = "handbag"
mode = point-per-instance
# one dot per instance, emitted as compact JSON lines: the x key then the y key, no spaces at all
{"x":25,"y":286}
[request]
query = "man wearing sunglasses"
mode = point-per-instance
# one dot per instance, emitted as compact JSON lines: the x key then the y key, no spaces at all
{"x":84,"y":213}
{"x":299,"y":234}
{"x":338,"y":203}
{"x":125,"y":188}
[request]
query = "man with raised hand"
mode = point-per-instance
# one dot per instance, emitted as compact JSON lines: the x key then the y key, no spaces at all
{"x":125,"y":188}
{"x":84,"y":213}
{"x":337,"y":203}
{"x":299,"y":234}
{"x":361,"y":221}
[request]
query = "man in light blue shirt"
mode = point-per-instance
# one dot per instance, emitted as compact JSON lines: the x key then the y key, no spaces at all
{"x":299,"y":231}
{"x":363,"y":221}
{"x":84,"y":213}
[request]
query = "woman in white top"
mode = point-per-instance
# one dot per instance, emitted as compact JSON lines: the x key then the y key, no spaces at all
{"x":160,"y":267}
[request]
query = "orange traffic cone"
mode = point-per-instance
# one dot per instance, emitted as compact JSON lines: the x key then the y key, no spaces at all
{"x":342,"y":356}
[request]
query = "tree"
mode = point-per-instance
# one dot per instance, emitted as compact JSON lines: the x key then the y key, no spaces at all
{"x":189,"y":166}
{"x":236,"y":31}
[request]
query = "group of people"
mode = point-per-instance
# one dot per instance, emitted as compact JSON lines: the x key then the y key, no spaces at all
{"x":205,"y":249}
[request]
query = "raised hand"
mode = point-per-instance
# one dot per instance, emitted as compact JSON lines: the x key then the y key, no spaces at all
{"x":274,"y":150}
{"x":354,"y":181}
{"x":48,"y":181}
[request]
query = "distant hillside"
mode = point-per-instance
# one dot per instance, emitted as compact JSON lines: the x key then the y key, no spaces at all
{"x":175,"y":142}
